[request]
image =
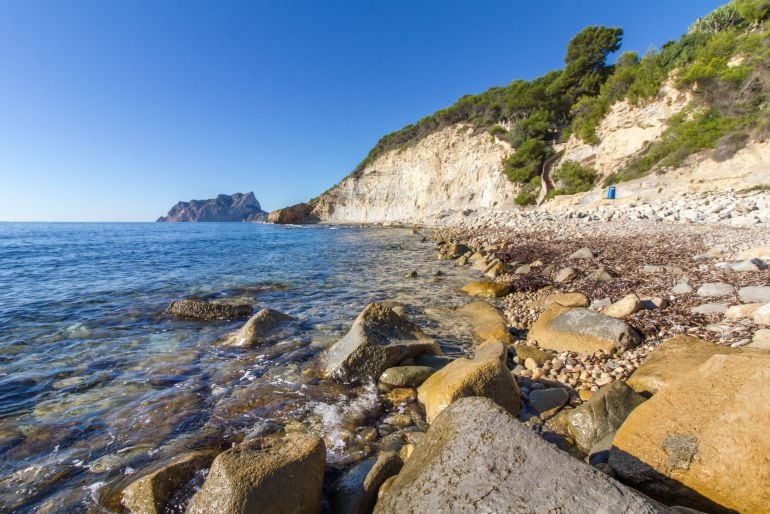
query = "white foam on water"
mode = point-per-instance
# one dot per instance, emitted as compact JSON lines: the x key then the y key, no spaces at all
{"x":344,"y":412}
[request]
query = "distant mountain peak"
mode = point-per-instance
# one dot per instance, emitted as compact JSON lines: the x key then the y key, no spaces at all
{"x":223,"y":208}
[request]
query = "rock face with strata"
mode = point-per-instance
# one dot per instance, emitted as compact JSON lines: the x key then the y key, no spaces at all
{"x":236,"y":207}
{"x":477,"y":458}
{"x":267,"y":475}
{"x":299,"y":214}
{"x":581,"y":330}
{"x":453,"y":168}
{"x":485,"y":375}
{"x":379,"y":339}
{"x":702,"y":440}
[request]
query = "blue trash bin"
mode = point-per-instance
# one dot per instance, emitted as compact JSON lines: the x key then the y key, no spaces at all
{"x":611,"y":193}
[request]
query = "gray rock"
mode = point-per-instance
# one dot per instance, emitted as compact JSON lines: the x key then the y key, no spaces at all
{"x":564,"y":275}
{"x":754,"y":294}
{"x":355,"y":492}
{"x":715,"y":289}
{"x":748,"y":265}
{"x":587,"y":324}
{"x":209,"y":310}
{"x":523,"y":269}
{"x":583,"y":253}
{"x":379,"y":339}
{"x":682,"y":288}
{"x":406,"y":376}
{"x":268,"y":475}
{"x":547,"y":402}
{"x":600,"y":275}
{"x":478,"y":458}
{"x":601,"y":303}
{"x":710,"y":308}
{"x":602,"y":415}
{"x":258,"y":329}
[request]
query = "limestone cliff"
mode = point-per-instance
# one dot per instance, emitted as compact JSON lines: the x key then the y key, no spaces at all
{"x":454,"y":168}
{"x":236,"y":207}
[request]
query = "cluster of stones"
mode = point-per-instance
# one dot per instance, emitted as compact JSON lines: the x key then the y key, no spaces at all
{"x":730,"y":208}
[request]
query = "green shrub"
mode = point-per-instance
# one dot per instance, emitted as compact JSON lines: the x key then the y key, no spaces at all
{"x":753,"y":10}
{"x":526,"y":197}
{"x":526,"y":162}
{"x":573,"y":177}
{"x":721,"y":18}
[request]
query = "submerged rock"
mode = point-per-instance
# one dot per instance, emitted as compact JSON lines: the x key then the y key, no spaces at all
{"x":258,"y":328}
{"x":151,"y":493}
{"x":405,"y":376}
{"x":208,"y":310}
{"x":702,"y":440}
{"x":485,"y":375}
{"x":581,"y":330}
{"x":267,"y":475}
{"x":379,"y":339}
{"x":477,"y":458}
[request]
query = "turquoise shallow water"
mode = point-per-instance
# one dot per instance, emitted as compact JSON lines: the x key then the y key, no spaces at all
{"x":97,"y":383}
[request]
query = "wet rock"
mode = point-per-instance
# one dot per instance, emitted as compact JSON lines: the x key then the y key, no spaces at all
{"x":581,"y":330}
{"x":602,"y":415}
{"x":702,"y":441}
{"x":208,"y":310}
{"x":434,"y":361}
{"x":710,"y":308}
{"x":762,"y":315}
{"x":567,"y":299}
{"x":494,"y":269}
{"x":487,"y":321}
{"x":454,"y":250}
{"x":379,"y":339}
{"x":477,"y":458}
{"x":626,"y":306}
{"x":355,"y":492}
{"x":406,"y":376}
{"x":151,"y":493}
{"x":547,"y":402}
{"x":754,"y":294}
{"x":715,"y":289}
{"x":564,"y":275}
{"x":673,"y":358}
{"x":583,"y":253}
{"x":484,"y":375}
{"x":258,"y":329}
{"x":487,"y":289}
{"x":269,"y":475}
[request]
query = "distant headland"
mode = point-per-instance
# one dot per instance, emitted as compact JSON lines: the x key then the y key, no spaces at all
{"x":235,"y":207}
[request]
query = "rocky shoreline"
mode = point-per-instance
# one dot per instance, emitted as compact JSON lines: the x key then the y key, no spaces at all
{"x":591,"y":352}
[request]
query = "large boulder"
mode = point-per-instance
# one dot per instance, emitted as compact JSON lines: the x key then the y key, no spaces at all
{"x":151,"y":493}
{"x":209,"y":310}
{"x":754,"y":294}
{"x":672,"y":359}
{"x":379,"y":339}
{"x":477,"y":458}
{"x":602,"y":415}
{"x":702,"y":441}
{"x":487,"y":322}
{"x":299,"y":214}
{"x":485,"y":375}
{"x":581,"y":330}
{"x":267,"y":475}
{"x":355,"y":492}
{"x":487,"y":289}
{"x":258,"y":329}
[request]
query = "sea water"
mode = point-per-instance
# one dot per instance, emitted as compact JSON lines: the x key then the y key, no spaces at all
{"x":97,"y":382}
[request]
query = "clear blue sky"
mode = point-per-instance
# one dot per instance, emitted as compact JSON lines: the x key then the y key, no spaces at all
{"x":115,"y":110}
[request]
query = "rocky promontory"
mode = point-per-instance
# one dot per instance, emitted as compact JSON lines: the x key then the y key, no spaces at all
{"x":236,"y":207}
